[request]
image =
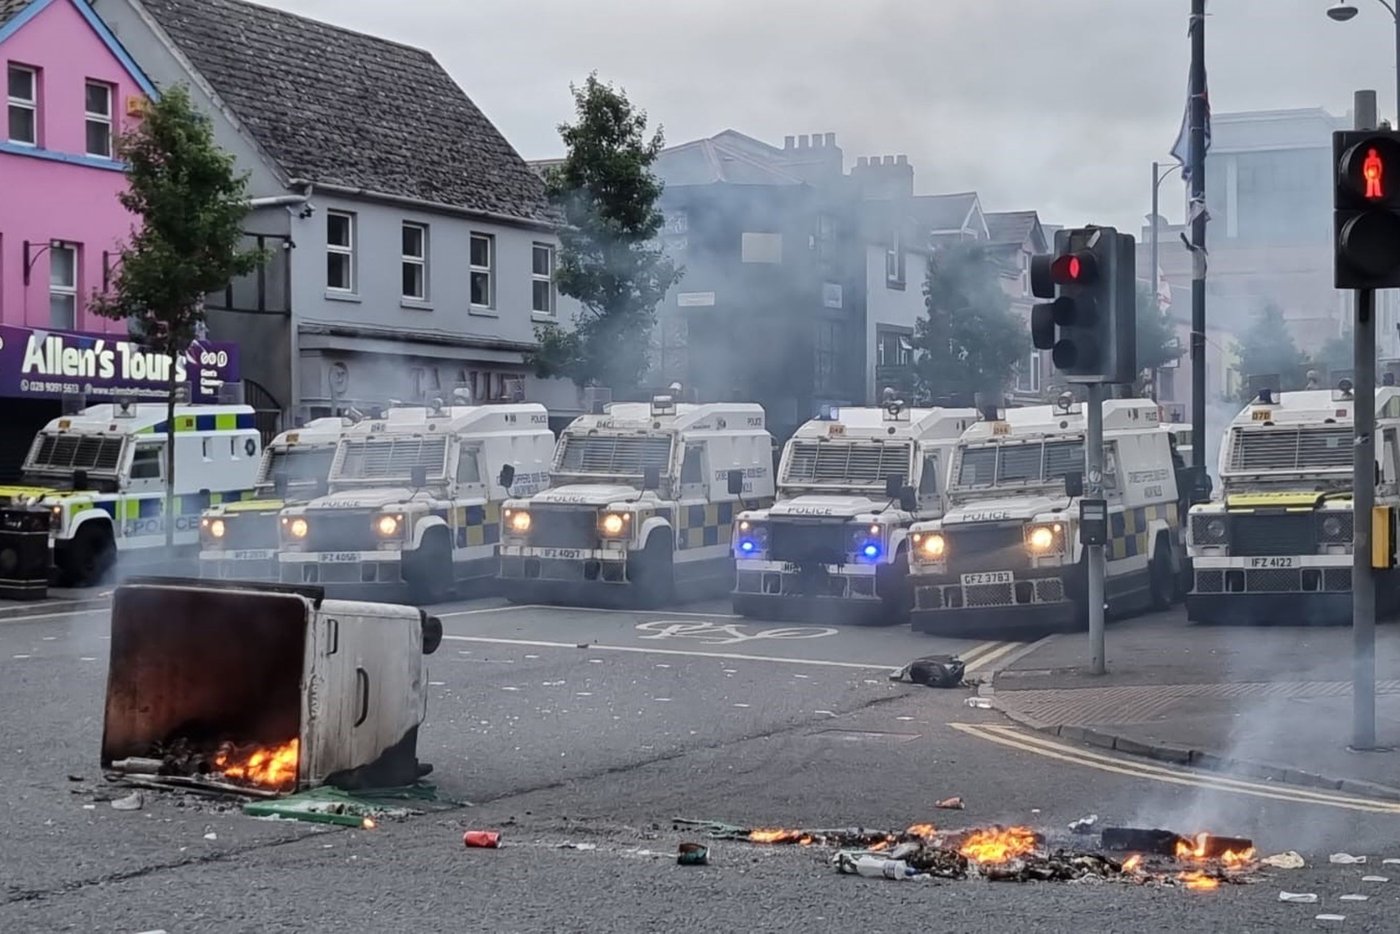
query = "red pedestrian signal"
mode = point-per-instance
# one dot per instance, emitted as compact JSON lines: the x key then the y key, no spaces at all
{"x":1366,"y":209}
{"x":1372,"y":170}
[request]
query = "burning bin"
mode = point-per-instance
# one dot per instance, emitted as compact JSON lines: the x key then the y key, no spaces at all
{"x":265,"y":685}
{"x":25,"y":553}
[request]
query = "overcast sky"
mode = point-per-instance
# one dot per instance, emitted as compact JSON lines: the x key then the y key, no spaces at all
{"x":1056,"y":105}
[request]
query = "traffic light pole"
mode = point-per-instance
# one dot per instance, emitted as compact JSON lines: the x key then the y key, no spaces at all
{"x":1363,"y":492}
{"x":1093,"y":489}
{"x":1197,"y":215}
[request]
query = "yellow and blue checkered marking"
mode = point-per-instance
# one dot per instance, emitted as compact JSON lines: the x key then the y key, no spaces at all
{"x":473,"y":526}
{"x":228,"y":421}
{"x":703,"y":525}
{"x":1128,"y":529}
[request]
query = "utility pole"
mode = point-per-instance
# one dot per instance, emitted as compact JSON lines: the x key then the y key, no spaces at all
{"x":1092,"y":503}
{"x":1197,"y":215}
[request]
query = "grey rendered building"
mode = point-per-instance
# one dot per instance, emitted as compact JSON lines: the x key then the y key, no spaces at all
{"x":412,"y":249}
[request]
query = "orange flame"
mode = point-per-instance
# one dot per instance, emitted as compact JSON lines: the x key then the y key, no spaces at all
{"x":877,"y":847}
{"x":778,"y":836}
{"x":921,"y":830}
{"x":273,"y":766}
{"x":367,"y":823}
{"x":1199,"y":881}
{"x":997,"y":845}
{"x":1230,"y":858}
{"x":1132,"y":863}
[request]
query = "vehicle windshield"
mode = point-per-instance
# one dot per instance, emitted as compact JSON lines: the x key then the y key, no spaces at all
{"x":390,"y":459}
{"x":1019,"y":463}
{"x":849,"y":465}
{"x":613,"y":457}
{"x":302,"y":465}
{"x":1288,"y":450}
{"x":59,"y":454}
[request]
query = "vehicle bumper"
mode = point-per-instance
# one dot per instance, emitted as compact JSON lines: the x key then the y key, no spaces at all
{"x":1031,"y":599}
{"x":589,"y":575}
{"x":1229,"y":591}
{"x":369,"y":573}
{"x":262,"y":566}
{"x":1284,"y":609}
{"x":772,"y":589}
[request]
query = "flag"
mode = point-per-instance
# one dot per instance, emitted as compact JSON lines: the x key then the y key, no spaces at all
{"x":1164,"y":291}
{"x":1181,"y":150}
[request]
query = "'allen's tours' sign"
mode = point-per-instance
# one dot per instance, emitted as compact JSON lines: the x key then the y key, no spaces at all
{"x":40,"y":364}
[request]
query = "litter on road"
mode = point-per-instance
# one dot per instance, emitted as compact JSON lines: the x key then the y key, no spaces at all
{"x":950,"y":804}
{"x":131,"y":802}
{"x":1289,"y":860}
{"x":1331,"y":917}
{"x":483,"y":839}
{"x":1355,"y":898}
{"x":692,"y":854}
{"x":1084,"y":825}
{"x":1374,"y":879}
{"x":1346,"y":859}
{"x":1306,"y":898}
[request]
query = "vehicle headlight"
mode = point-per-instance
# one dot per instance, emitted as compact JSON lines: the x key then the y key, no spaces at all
{"x":869,"y":541}
{"x":217,"y":528}
{"x":1336,"y":529}
{"x":930,"y":546}
{"x":613,"y":524}
{"x":296,"y":528}
{"x":1044,"y":539}
{"x":750,"y":538}
{"x":1209,"y":530}
{"x":387,"y":526}
{"x":518,"y":521}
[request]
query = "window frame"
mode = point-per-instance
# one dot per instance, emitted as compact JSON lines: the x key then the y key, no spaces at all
{"x":347,"y":250}
{"x":420,"y":261}
{"x":547,"y":278}
{"x":469,"y":453}
{"x":19,"y":103}
{"x":142,"y":447}
{"x":68,"y":291}
{"x":92,"y":118}
{"x":489,"y":271}
{"x":894,"y":262}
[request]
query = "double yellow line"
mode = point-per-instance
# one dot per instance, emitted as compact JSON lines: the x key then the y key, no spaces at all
{"x":1039,"y":745}
{"x":984,"y":653}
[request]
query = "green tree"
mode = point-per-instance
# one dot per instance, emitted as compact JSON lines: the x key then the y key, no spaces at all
{"x":970,"y":341}
{"x":1334,"y":355}
{"x":1266,"y":348}
{"x":609,"y":258}
{"x":190,"y":204}
{"x":1157,"y":343}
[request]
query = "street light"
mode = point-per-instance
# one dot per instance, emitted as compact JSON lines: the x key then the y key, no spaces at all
{"x":1158,"y":176}
{"x":1341,"y":12}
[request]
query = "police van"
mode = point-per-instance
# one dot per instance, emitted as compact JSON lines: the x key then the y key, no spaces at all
{"x":101,"y":472}
{"x":238,"y":541}
{"x":1008,"y":550}
{"x":1276,"y":546}
{"x":415,"y":500}
{"x":641,"y":503}
{"x":850,"y":484}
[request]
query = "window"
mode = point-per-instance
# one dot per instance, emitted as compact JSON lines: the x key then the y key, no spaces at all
{"x":1028,"y":373}
{"x":483,"y":263}
{"x":928,"y":477}
{"x":469,"y":466}
{"x":415,"y":262}
{"x":340,"y":251}
{"x":24,"y":105}
{"x":98,"y":116}
{"x":542,"y":279}
{"x":761,"y":247}
{"x":894,"y":262}
{"x":63,"y":287}
{"x":690,"y":467}
{"x":893,"y":349}
{"x":147,"y":461}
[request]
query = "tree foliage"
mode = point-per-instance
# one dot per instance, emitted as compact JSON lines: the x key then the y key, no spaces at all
{"x":970,"y":341}
{"x":1157,"y":343}
{"x":1267,"y":348}
{"x":609,"y":258}
{"x":190,"y":205}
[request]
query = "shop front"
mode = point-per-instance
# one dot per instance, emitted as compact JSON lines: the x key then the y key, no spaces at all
{"x":45,"y":372}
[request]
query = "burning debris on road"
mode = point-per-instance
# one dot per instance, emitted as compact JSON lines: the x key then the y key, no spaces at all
{"x":1016,"y":854}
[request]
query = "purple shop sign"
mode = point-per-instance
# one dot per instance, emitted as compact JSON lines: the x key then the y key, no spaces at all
{"x":39,"y":364}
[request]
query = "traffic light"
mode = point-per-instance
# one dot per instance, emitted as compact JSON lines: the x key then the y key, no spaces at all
{"x":1366,"y":204}
{"x":1090,"y":326}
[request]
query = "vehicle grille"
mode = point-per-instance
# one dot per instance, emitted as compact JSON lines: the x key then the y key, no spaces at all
{"x":340,"y":531}
{"x":1273,"y":534}
{"x":1267,"y":449}
{"x":564,"y":528}
{"x":808,"y":543}
{"x":249,"y":532}
{"x":981,"y":547}
{"x":860,"y":463}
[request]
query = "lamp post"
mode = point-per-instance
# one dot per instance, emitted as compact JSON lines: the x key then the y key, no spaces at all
{"x":1158,"y":176}
{"x":1341,"y":12}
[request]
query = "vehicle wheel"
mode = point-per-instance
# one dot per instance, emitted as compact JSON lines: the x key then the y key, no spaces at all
{"x":896,"y":592}
{"x":90,"y":557}
{"x":429,"y":571}
{"x":652,"y":572}
{"x":1162,"y":578}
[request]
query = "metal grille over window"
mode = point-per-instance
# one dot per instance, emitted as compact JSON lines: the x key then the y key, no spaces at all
{"x":1268,"y":449}
{"x":297,"y":466}
{"x":74,"y":452}
{"x":835,"y":463}
{"x":1013,"y":464}
{"x":614,"y":455}
{"x":391,"y":458}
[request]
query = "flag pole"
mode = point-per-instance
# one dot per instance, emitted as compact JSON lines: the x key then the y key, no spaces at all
{"x":1196,"y":154}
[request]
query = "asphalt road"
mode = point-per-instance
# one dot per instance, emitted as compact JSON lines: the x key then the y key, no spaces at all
{"x":659,"y":715}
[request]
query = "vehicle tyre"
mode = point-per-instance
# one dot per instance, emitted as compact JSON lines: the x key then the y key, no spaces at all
{"x":428,"y":571}
{"x":1163,"y":580}
{"x":652,"y":571}
{"x":90,"y":556}
{"x":896,"y":592}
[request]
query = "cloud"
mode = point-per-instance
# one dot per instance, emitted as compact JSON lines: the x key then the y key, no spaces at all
{"x":1057,"y":106}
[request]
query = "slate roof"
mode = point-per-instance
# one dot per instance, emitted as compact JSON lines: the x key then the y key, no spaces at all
{"x":343,"y":108}
{"x":717,"y":161}
{"x":1010,"y":226}
{"x":9,"y":9}
{"x":944,"y":212}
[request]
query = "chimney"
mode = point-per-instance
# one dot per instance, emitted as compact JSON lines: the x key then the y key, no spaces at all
{"x":901,"y":160}
{"x":884,"y":178}
{"x":802,"y":141}
{"x":862,"y":162}
{"x":816,"y":141}
{"x":830,"y":140}
{"x":815,"y":159}
{"x":889,"y":160}
{"x":788,"y":141}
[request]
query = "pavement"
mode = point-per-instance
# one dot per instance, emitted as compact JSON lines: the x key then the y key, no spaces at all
{"x":568,"y":726}
{"x":1265,"y":702}
{"x":58,"y":600}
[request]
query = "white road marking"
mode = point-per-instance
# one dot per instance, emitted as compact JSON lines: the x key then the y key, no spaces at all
{"x":649,"y":650}
{"x":582,"y":609}
{"x":69,"y":613}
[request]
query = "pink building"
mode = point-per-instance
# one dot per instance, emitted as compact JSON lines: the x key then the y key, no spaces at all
{"x":71,"y":88}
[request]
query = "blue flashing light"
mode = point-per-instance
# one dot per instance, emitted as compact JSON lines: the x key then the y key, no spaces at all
{"x":746,"y":546}
{"x":871,"y":550}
